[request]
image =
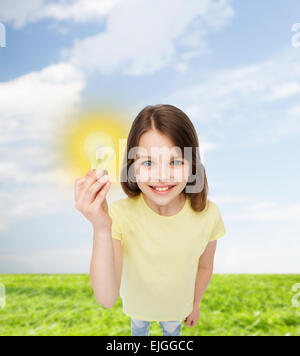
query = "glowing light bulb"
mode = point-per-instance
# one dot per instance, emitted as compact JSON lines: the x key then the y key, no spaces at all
{"x":99,"y":148}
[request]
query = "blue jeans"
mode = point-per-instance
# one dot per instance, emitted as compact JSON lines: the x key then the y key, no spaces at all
{"x":141,"y":327}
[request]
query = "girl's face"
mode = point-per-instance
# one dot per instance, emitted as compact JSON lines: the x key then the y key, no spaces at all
{"x":159,"y":163}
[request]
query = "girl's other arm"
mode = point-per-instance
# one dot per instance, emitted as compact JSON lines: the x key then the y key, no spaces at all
{"x":205,"y":271}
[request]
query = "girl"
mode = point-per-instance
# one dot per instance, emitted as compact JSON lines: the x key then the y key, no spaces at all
{"x":156,"y":246}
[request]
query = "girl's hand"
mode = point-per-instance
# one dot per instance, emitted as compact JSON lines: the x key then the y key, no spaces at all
{"x":192,"y":319}
{"x":90,"y":198}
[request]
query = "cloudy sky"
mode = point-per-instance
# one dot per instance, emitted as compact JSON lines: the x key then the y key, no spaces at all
{"x":232,"y":66}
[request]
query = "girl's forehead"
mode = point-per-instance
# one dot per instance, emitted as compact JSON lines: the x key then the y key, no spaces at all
{"x":158,"y":151}
{"x":155,"y":138}
{"x":154,"y":143}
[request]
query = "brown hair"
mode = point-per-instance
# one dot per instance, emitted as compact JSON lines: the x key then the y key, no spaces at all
{"x":176,"y":125}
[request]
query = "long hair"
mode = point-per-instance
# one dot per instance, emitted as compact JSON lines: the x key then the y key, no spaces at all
{"x":176,"y":125}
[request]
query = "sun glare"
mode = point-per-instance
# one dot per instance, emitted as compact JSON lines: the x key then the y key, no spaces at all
{"x":71,"y":138}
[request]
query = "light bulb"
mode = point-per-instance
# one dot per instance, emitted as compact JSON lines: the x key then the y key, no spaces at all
{"x":99,"y":148}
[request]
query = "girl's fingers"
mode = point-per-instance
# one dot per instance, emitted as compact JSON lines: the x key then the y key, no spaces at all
{"x":100,"y":173}
{"x":82,"y":184}
{"x":94,"y":189}
{"x":102,"y":194}
{"x":89,"y":181}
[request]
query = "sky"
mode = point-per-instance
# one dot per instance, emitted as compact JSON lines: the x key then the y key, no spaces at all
{"x":231,"y":66}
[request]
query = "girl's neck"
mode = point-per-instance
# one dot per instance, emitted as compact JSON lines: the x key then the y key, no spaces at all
{"x":170,"y":209}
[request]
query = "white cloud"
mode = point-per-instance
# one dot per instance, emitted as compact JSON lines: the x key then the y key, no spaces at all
{"x":145,"y":36}
{"x":19,"y":13}
{"x":261,"y":236}
{"x":284,"y":90}
{"x":253,"y":104}
{"x":141,"y":36}
{"x":79,"y":10}
{"x":229,"y":199}
{"x":33,"y":200}
{"x":228,"y":89}
{"x":241,"y":259}
{"x":31,"y":107}
{"x":267,"y":211}
{"x":290,"y":124}
{"x":30,"y":103}
{"x":181,"y":67}
{"x":47,"y":261}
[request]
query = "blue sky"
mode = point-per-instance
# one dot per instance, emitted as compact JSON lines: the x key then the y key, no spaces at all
{"x":229,"y":65}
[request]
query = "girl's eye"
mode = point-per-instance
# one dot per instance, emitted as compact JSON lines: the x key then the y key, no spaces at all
{"x":145,"y":162}
{"x":180,"y":163}
{"x":177,"y":161}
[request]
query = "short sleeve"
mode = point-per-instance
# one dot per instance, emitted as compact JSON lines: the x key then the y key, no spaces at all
{"x":218,"y":229}
{"x":116,"y":231}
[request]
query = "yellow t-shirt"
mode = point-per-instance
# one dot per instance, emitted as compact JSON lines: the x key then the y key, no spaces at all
{"x":161,"y":255}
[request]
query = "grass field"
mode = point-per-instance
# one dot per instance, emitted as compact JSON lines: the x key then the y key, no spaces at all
{"x":64,"y":305}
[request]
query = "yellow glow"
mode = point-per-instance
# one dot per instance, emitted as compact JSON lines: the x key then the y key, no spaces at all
{"x":99,"y":148}
{"x":72,"y":135}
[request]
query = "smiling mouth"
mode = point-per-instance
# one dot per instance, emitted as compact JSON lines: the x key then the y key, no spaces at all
{"x":162,"y":189}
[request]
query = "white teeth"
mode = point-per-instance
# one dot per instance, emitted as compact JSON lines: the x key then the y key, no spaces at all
{"x":161,"y":189}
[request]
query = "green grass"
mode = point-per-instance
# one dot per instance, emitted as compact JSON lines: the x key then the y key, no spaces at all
{"x":244,"y":304}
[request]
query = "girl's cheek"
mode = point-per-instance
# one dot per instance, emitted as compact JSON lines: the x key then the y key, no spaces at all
{"x":143,"y":174}
{"x":181,"y":174}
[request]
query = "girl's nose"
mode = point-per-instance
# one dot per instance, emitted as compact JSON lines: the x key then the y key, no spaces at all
{"x":163,"y":174}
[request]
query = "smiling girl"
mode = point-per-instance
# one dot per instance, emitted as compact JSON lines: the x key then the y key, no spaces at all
{"x":155,"y":247}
